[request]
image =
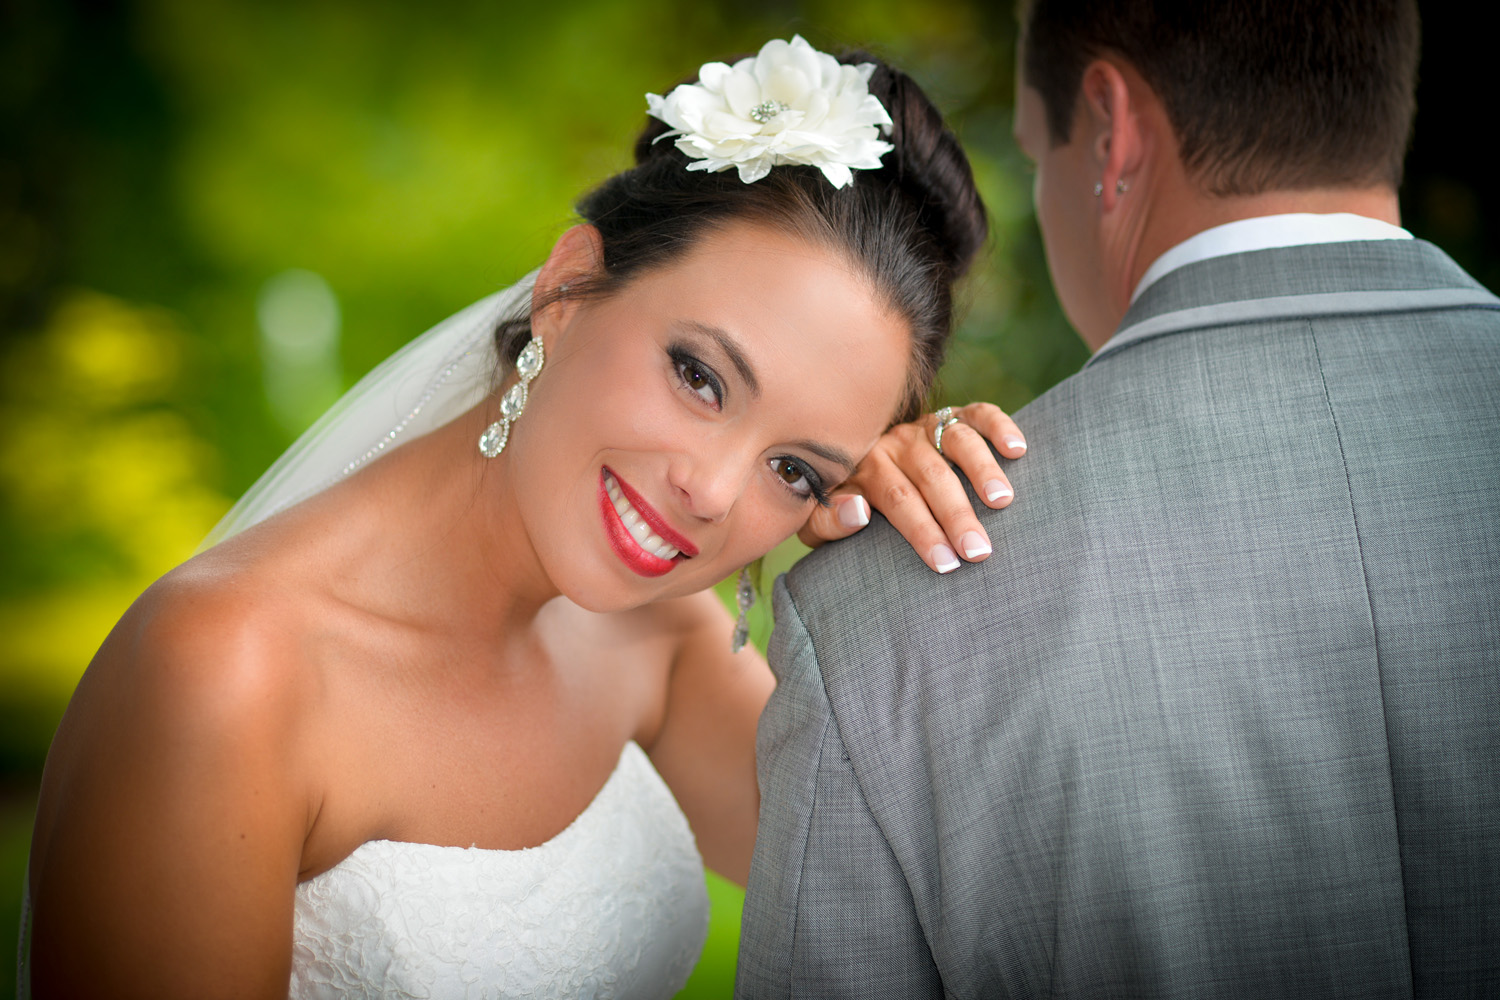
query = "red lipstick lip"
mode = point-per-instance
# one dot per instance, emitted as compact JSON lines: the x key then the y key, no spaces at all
{"x":623,"y":542}
{"x":648,"y":514}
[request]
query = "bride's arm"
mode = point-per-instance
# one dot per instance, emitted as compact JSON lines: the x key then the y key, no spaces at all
{"x":705,"y":749}
{"x":171,"y":821}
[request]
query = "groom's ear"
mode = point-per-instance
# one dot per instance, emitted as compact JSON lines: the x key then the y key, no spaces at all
{"x":1112,"y":119}
{"x":578,"y":256}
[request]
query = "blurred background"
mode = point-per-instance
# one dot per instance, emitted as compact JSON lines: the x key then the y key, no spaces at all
{"x":215,"y":215}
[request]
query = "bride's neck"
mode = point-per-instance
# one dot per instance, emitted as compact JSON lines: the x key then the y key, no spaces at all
{"x":453,"y":549}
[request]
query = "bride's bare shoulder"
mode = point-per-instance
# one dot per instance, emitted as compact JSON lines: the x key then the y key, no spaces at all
{"x":199,"y":663}
{"x":187,"y":743}
{"x":215,"y":634}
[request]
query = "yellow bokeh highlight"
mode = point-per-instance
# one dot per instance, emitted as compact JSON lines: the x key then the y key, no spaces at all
{"x":112,"y":351}
{"x":93,"y":453}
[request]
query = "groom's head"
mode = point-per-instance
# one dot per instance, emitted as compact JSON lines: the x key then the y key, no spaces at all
{"x":1200,"y":107}
{"x":1262,"y":94}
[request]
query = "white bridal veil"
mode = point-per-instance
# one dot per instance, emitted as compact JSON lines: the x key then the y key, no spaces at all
{"x":422,"y":386}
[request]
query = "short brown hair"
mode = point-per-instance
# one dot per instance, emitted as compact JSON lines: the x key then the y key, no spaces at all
{"x":1263,"y":95}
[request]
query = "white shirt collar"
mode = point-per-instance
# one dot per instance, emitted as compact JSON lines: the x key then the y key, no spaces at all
{"x":1265,"y":233}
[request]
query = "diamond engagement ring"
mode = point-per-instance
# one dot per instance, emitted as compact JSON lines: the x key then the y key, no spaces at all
{"x":945,"y":419}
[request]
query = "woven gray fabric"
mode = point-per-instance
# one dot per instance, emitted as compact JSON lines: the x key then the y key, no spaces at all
{"x":1220,"y":717}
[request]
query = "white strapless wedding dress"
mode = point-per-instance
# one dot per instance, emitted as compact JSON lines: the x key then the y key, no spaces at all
{"x":614,"y":906}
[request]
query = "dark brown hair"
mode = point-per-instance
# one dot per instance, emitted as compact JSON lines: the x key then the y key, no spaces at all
{"x":1263,"y":95}
{"x":913,"y":226}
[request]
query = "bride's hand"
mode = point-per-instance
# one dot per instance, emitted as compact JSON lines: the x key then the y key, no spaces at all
{"x":916,"y":489}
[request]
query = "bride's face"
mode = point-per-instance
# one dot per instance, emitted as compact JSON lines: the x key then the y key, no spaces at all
{"x":686,"y":424}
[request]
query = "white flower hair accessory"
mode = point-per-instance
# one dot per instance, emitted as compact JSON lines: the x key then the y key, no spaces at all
{"x":789,"y":104}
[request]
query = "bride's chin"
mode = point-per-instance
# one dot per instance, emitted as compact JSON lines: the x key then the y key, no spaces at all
{"x":615,"y":596}
{"x":606,"y":596}
{"x":605,"y":604}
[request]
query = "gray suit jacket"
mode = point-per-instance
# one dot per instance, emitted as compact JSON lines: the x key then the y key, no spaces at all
{"x":1221,"y":714}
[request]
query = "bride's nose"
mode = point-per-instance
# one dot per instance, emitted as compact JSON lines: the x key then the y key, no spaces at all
{"x":709,"y":482}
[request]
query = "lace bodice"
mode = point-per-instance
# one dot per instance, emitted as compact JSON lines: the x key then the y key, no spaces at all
{"x":614,"y":906}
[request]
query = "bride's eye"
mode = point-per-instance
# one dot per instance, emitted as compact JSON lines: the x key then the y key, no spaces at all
{"x":698,"y":378}
{"x":799,"y":479}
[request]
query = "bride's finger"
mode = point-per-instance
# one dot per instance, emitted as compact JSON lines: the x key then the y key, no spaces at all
{"x":847,"y":513}
{"x":964,"y":447}
{"x":923,"y":498}
{"x":996,"y":425}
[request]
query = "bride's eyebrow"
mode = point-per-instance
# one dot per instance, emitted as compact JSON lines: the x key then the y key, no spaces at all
{"x":835,"y":455}
{"x":731,"y":350}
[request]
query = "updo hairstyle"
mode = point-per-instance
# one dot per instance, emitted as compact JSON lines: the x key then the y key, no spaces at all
{"x":913,"y":226}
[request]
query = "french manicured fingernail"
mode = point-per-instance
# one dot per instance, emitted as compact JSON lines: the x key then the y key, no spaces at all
{"x":1015,"y":444}
{"x":995,"y":490}
{"x":943,"y":559}
{"x":854,"y":512}
{"x":974,"y":545}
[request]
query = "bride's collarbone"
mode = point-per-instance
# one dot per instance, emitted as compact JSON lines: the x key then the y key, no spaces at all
{"x":426,"y":751}
{"x":430,"y":736}
{"x":458,"y":786}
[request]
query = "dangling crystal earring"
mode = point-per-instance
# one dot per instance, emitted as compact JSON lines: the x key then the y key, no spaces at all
{"x":528,"y":365}
{"x":744,"y":597}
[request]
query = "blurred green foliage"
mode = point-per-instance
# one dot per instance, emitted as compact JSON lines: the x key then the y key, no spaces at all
{"x":165,"y":165}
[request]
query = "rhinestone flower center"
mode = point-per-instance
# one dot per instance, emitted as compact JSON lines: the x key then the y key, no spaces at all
{"x":767,"y":110}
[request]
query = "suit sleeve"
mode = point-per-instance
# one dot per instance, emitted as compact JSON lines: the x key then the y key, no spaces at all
{"x":828,"y":912}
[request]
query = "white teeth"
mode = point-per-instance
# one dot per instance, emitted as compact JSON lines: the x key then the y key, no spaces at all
{"x":639,"y":529}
